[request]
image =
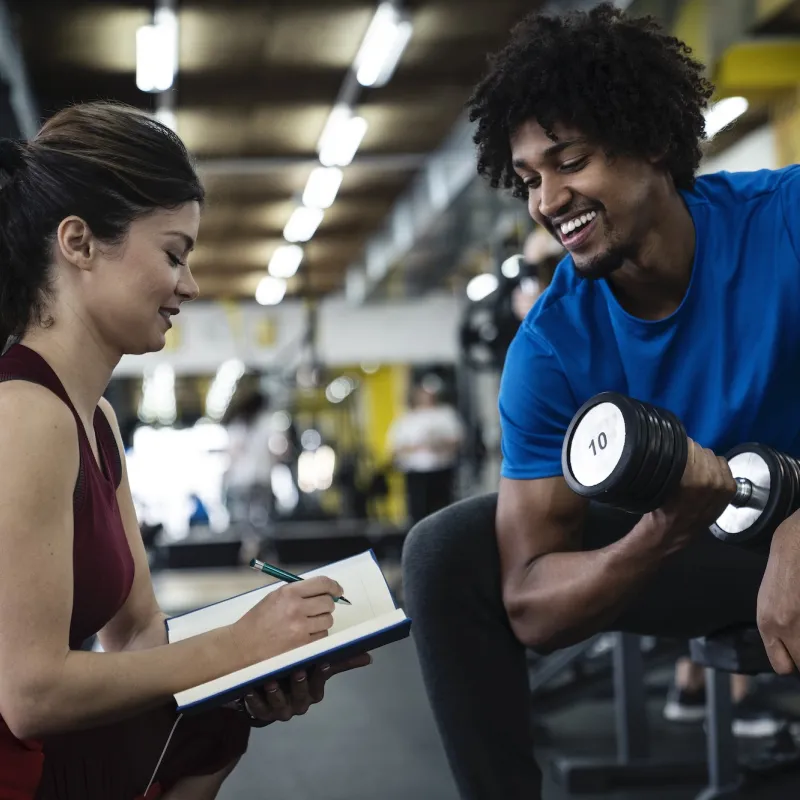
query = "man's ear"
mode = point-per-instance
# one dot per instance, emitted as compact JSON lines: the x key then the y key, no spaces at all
{"x":658,"y":159}
{"x":76,"y":242}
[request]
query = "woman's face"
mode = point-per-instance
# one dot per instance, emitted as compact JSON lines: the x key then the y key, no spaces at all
{"x":134,"y":289}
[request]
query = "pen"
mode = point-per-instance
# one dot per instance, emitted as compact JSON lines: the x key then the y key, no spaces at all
{"x":276,"y":572}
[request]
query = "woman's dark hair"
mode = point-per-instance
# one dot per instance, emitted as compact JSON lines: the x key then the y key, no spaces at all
{"x":106,"y":163}
{"x":621,"y":81}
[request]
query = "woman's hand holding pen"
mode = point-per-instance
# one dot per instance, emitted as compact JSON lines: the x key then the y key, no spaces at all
{"x":289,"y":617}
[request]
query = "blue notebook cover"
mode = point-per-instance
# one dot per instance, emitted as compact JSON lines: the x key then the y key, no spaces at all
{"x":393,"y":632}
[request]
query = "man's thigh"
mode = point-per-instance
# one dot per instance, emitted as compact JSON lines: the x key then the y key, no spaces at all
{"x":703,"y":588}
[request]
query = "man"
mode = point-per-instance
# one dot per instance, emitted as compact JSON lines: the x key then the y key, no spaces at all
{"x":679,"y":292}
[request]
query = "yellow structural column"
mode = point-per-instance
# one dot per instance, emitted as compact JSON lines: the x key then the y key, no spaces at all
{"x":385,"y":393}
{"x":786,"y":124}
{"x":691,"y":27}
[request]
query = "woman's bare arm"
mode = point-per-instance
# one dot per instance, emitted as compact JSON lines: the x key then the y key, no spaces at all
{"x":44,"y":687}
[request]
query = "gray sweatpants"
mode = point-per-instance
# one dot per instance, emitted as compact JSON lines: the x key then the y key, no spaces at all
{"x":473,"y":666}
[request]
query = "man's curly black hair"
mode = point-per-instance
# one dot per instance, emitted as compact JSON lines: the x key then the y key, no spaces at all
{"x":621,"y":81}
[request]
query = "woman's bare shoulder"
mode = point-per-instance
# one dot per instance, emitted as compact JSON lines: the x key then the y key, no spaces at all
{"x":34,"y":422}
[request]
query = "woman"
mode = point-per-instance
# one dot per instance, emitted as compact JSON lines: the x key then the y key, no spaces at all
{"x":425,"y":444}
{"x":98,"y":215}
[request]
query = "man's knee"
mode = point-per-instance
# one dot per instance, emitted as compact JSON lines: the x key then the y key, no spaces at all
{"x":457,"y":541}
{"x":461,"y":528}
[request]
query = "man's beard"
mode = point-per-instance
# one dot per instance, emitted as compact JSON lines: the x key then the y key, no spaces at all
{"x":602,"y":265}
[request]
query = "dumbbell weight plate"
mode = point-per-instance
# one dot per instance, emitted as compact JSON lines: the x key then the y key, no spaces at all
{"x":643,"y":487}
{"x":630,"y":489}
{"x":669,"y":453}
{"x":680,"y":444}
{"x":666,"y":457}
{"x":751,"y":522}
{"x":601,"y":448}
{"x":795,"y":471}
{"x":790,"y":487}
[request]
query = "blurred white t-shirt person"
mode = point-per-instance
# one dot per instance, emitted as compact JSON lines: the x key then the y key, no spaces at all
{"x":248,"y":479}
{"x":425,"y":444}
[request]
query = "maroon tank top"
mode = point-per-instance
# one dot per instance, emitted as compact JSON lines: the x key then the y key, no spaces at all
{"x":102,"y":562}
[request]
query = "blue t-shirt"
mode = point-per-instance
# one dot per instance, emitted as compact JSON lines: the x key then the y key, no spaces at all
{"x":727,"y":362}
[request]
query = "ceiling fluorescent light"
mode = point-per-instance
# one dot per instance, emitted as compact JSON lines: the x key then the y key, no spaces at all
{"x":350,"y":142}
{"x":270,"y":291}
{"x":146,"y":47}
{"x":167,"y":117}
{"x":285,"y":261}
{"x":337,"y":119}
{"x":303,"y":223}
{"x":383,"y":45}
{"x":341,"y":137}
{"x":723,"y":113}
{"x":322,"y":187}
{"x":157,"y":53}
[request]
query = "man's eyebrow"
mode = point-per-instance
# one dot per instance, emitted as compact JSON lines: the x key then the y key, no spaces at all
{"x":185,"y":236}
{"x":554,"y":149}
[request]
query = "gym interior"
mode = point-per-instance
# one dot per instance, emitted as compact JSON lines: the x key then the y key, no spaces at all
{"x":353,"y":268}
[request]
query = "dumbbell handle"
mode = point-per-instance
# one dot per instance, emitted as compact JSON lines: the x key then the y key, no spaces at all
{"x":750,"y":495}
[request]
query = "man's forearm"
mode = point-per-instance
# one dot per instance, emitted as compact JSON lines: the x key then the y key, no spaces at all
{"x":566,"y":597}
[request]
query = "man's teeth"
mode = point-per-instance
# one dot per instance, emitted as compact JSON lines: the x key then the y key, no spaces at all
{"x":574,"y":224}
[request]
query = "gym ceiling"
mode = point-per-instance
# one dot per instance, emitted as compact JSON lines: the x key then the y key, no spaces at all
{"x":255,"y":85}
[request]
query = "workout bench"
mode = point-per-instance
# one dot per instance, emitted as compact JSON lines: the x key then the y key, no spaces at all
{"x":733,"y":650}
{"x":738,"y":650}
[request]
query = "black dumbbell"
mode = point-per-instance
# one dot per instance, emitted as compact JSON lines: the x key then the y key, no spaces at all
{"x":632,"y":455}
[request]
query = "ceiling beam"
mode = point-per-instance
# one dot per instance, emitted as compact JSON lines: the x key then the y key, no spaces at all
{"x":232,"y":88}
{"x":14,"y":74}
{"x":445,"y":174}
{"x":389,"y":162}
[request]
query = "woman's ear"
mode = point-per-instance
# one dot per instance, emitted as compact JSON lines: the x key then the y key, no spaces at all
{"x":75,"y":242}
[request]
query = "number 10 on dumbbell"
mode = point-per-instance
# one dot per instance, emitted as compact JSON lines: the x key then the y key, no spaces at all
{"x":629,"y":454}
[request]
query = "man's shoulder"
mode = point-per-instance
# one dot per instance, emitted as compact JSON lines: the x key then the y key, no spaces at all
{"x":735,"y":188}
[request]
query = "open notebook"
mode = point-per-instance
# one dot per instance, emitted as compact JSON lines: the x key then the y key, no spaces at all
{"x":370,"y":622}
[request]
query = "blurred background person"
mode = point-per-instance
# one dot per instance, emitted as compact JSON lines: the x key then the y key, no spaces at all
{"x":248,"y":479}
{"x":425,"y":443}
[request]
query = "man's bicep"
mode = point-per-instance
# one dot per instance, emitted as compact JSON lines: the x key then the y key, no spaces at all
{"x":536,"y":407}
{"x":536,"y":517}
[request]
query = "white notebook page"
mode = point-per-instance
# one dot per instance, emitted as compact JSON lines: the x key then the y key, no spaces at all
{"x":360,"y":577}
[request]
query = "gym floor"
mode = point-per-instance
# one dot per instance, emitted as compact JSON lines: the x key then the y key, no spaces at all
{"x":374,"y":736}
